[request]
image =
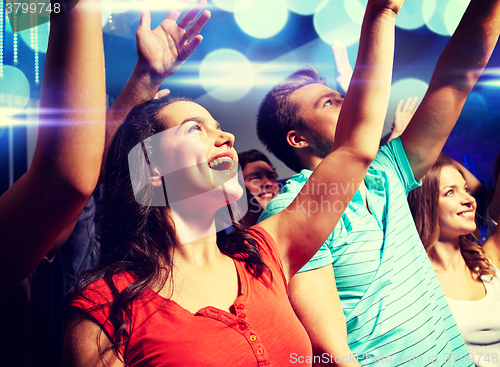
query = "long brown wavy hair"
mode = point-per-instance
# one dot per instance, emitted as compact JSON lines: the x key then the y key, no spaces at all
{"x":424,"y":206}
{"x":136,"y":238}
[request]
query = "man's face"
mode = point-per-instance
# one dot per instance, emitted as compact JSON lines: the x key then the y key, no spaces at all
{"x":319,"y":108}
{"x":262,"y":182}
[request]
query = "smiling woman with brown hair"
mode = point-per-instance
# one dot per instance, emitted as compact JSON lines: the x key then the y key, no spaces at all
{"x":444,"y":213}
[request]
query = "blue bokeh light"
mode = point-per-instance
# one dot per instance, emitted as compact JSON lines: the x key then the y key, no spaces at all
{"x":262,"y":18}
{"x":453,"y":13}
{"x":339,"y":20}
{"x":232,"y":5}
{"x":226,"y":75}
{"x":433,"y":13}
{"x":402,"y":90}
{"x":410,"y":16}
{"x":303,"y":7}
{"x":14,"y":88}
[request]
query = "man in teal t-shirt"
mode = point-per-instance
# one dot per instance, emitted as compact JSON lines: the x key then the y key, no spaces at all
{"x":380,"y":302}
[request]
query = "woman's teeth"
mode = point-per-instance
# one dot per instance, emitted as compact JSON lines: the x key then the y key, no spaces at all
{"x":221,"y":164}
{"x":468,"y":214}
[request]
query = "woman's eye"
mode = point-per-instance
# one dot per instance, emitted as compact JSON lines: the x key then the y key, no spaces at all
{"x":449,"y":192}
{"x":328,"y":103}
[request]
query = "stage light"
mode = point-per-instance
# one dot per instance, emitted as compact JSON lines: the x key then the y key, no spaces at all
{"x":226,"y":75}
{"x":28,"y":37}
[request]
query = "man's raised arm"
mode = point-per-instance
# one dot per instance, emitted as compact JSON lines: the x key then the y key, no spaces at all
{"x":457,"y":70}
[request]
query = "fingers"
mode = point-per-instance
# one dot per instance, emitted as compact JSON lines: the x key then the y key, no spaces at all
{"x":174,"y":13}
{"x":191,"y":14}
{"x":409,"y":105}
{"x":189,"y":48}
{"x":412,"y":106}
{"x":399,"y":108}
{"x":162,"y":93}
{"x":197,"y":25}
{"x":145,"y":22}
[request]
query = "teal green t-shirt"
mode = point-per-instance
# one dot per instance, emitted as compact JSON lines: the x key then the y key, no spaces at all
{"x":393,"y":304}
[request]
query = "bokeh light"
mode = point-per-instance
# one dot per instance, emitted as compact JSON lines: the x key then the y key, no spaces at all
{"x":453,"y":13}
{"x":402,"y":90}
{"x":263,"y":18}
{"x":232,"y":5}
{"x":14,"y":88}
{"x":303,"y":7}
{"x":410,"y":16}
{"x":339,"y":20}
{"x":433,"y":13}
{"x":226,"y":75}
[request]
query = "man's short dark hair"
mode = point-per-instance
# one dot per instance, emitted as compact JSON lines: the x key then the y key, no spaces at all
{"x":253,"y":155}
{"x":277,"y":116}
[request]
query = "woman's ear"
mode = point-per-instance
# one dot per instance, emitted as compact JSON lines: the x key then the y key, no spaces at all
{"x":155,"y":178}
{"x":296,"y":140}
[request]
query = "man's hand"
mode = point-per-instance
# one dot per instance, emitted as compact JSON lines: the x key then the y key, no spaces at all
{"x":162,"y":51}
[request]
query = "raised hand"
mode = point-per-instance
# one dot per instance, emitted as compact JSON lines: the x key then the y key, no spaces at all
{"x":342,"y":66}
{"x":402,"y":116}
{"x":404,"y":113}
{"x":162,"y":51}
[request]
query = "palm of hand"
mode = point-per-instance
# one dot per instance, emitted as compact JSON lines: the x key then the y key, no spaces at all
{"x":162,"y":48}
{"x":162,"y":51}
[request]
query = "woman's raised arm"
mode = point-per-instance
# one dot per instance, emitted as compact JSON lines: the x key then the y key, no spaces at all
{"x":68,"y":154}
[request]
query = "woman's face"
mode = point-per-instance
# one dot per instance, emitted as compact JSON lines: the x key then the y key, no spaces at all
{"x":195,"y":155}
{"x":457,"y":208}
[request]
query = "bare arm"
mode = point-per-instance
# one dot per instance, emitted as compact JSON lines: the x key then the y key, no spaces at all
{"x":314,"y":297}
{"x":361,"y":119}
{"x":83,"y":342}
{"x":457,"y":70}
{"x":65,"y":167}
